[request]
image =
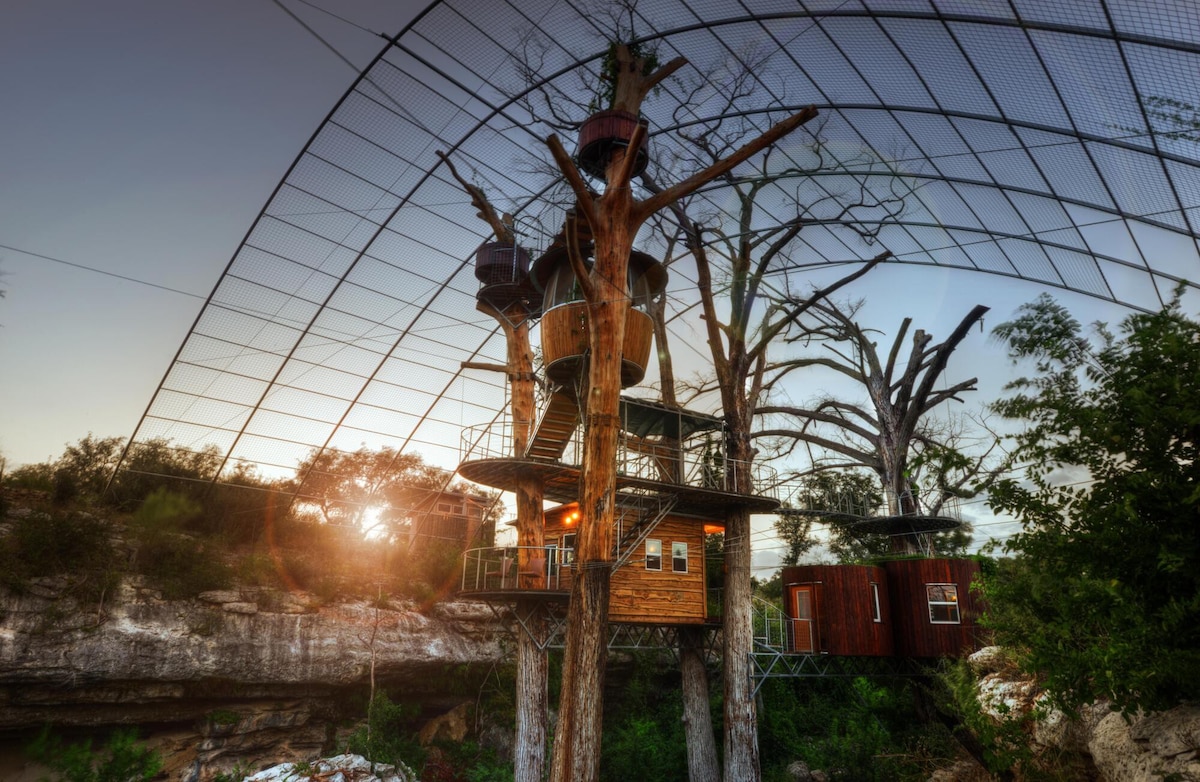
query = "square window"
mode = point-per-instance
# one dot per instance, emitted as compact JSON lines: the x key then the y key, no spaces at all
{"x":653,"y":554}
{"x":679,"y":557}
{"x":943,"y":604}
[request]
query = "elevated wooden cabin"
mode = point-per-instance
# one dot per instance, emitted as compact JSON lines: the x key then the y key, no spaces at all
{"x":906,"y":608}
{"x":660,"y":579}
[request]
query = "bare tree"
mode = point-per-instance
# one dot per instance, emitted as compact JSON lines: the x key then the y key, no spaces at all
{"x":889,"y":434}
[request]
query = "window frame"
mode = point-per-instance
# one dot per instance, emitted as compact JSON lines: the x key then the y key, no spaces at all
{"x":675,"y":559}
{"x":951,"y":603}
{"x":653,"y":557}
{"x":876,"y":612}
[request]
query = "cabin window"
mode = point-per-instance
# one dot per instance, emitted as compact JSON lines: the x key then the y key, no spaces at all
{"x":876,"y":614}
{"x":653,"y":554}
{"x":552,"y":558}
{"x":568,"y":549}
{"x":679,"y":557}
{"x":943,"y":604}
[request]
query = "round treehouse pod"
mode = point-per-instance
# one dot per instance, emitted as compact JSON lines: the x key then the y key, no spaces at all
{"x":503,"y":273}
{"x":565,"y":324}
{"x":604,"y":132}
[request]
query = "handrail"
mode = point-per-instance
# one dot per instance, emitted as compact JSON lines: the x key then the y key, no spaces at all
{"x":494,"y":440}
{"x":515,"y":568}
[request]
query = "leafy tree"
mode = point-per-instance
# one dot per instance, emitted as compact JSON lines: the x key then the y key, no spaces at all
{"x":1103,"y":598}
{"x":837,"y":499}
{"x":368,"y":489}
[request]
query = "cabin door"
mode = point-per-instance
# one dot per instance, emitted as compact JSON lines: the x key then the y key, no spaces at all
{"x":804,"y":623}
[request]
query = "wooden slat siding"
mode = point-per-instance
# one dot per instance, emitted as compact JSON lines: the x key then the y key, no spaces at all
{"x":654,"y":597}
{"x":564,"y":341}
{"x":844,"y":608}
{"x":915,"y":635}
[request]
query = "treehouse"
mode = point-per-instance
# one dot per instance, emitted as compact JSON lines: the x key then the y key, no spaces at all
{"x":919,"y":607}
{"x":671,"y":491}
{"x":503,"y":273}
{"x":565,"y":320}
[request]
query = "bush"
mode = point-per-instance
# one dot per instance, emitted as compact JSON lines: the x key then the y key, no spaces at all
{"x":76,"y":546}
{"x":121,"y":760}
{"x":177,"y":564}
{"x":388,"y":736}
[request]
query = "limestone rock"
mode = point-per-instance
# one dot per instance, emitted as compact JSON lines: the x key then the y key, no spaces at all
{"x":340,"y":768}
{"x":452,"y":726}
{"x":1148,"y":747}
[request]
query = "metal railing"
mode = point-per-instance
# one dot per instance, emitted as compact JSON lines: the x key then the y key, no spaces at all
{"x":686,"y":467}
{"x":515,"y":568}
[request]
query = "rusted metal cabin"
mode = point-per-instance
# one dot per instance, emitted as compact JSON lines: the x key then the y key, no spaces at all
{"x":904,"y":608}
{"x":838,"y":609}
{"x":935,"y":612}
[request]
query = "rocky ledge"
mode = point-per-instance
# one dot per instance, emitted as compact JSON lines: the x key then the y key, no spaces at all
{"x":233,"y":678}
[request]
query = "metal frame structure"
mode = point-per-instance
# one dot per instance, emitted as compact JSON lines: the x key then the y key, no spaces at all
{"x":1038,"y":140}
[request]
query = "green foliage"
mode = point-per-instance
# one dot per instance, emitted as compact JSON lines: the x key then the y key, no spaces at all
{"x":388,"y":736}
{"x":845,"y":496}
{"x":852,"y":729}
{"x":179,"y":565}
{"x":1005,"y":741}
{"x":1103,"y":599}
{"x":122,"y":759}
{"x":77,"y":547}
{"x":35,"y":477}
{"x":644,"y":736}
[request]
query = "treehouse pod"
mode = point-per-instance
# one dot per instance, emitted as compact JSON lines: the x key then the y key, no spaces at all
{"x":604,"y":132}
{"x":934,"y":609}
{"x":564,"y":322}
{"x":503,"y":273}
{"x":838,"y":609}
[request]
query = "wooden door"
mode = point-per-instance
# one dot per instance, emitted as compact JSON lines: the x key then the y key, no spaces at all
{"x":804,"y":623}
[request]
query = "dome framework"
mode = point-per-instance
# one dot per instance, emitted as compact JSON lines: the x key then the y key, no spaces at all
{"x":1050,"y":142}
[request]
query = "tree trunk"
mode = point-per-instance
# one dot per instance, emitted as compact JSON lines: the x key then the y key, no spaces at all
{"x":577,"y":738}
{"x":580,"y":719}
{"x":532,"y":684}
{"x":703,"y":765}
{"x":741,"y":727}
{"x":529,"y":749}
{"x":532,"y":661}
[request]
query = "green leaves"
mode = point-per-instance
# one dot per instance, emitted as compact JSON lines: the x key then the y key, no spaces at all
{"x":1103,"y":591}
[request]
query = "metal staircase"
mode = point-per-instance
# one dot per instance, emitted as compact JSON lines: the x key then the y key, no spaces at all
{"x":640,"y":514}
{"x":558,"y":423}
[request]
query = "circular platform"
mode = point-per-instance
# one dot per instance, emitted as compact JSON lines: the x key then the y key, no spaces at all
{"x":904,"y":525}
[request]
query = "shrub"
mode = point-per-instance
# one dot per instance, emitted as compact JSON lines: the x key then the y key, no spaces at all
{"x":76,"y":546}
{"x":387,"y":737}
{"x":177,"y":564}
{"x":122,"y":759}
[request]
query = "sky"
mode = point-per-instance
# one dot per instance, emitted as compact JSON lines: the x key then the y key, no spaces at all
{"x":140,"y":138}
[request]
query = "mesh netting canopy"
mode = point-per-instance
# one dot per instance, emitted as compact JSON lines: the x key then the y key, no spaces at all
{"x":1051,"y":141}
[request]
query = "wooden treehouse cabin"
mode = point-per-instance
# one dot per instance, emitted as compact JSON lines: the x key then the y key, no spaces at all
{"x":919,"y":607}
{"x":673,"y":480}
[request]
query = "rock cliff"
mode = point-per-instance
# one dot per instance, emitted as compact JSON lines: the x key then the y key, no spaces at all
{"x":1120,"y":748}
{"x":234,"y":678}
